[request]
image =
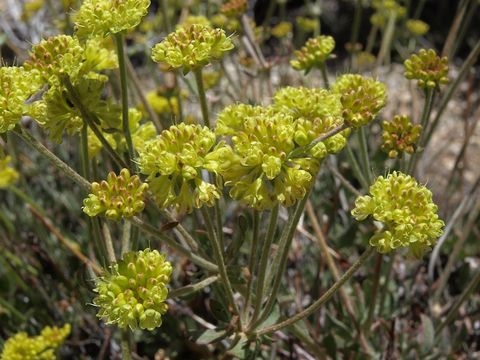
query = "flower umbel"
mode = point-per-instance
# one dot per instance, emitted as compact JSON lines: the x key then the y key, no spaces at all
{"x":362,"y":98}
{"x":314,"y":53}
{"x":174,"y":162}
{"x":117,"y":197}
{"x":400,"y":135}
{"x":41,"y":347}
{"x":134,"y":292}
{"x":405,"y":209}
{"x":105,"y":17}
{"x":192,"y":48}
{"x":428,"y":68}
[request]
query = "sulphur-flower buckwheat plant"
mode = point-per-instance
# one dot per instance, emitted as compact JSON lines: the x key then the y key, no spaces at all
{"x":400,"y":135}
{"x":106,"y":17}
{"x":405,"y":209}
{"x":17,"y":85}
{"x":192,"y":48}
{"x":134,"y":292}
{"x":41,"y":347}
{"x":8,"y":175}
{"x":314,"y":53}
{"x":174,"y":162}
{"x":118,"y":197}
{"x":429,"y":69}
{"x":362,"y":98}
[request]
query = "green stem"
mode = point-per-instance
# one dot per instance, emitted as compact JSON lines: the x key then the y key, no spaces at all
{"x":427,"y":109}
{"x":262,"y":268}
{"x":124,"y":86}
{"x":280,"y":262}
{"x":125,"y":344}
{"x":126,"y":244}
{"x":323,"y":299}
{"x":218,"y":255}
{"x":252,"y":260}
{"x":374,"y":291}
{"x":356,"y":168}
{"x":202,"y":96}
{"x":384,"y":291}
{"x":365,"y":160}
{"x":323,"y":69}
{"x":387,"y":39}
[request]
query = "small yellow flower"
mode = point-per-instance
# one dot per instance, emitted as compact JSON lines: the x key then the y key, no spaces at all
{"x":8,"y":175}
{"x":118,"y":197}
{"x":134,"y":293}
{"x":282,"y":29}
{"x":362,"y":98}
{"x":405,"y":209}
{"x":400,"y":135}
{"x":192,"y":48}
{"x":417,"y":27}
{"x":105,"y":17}
{"x":314,"y":53}
{"x":41,"y":347}
{"x":428,"y":68}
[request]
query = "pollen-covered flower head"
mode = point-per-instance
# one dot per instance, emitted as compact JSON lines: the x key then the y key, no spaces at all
{"x":174,"y":162}
{"x":133,"y":293}
{"x":8,"y":175}
{"x":400,"y":135}
{"x":118,"y":197}
{"x":105,"y":17}
{"x":428,"y":68}
{"x":41,"y":347}
{"x":417,"y":27}
{"x":406,"y":211}
{"x":258,"y":168}
{"x":192,"y":48}
{"x":234,"y":8}
{"x":17,"y":85}
{"x":314,"y":53}
{"x":362,"y":98}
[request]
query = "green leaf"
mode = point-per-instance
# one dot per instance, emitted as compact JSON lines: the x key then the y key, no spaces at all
{"x":428,"y":333}
{"x":219,"y":311}
{"x":210,"y":336}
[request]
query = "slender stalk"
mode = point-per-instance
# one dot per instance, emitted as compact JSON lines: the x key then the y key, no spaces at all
{"x":374,"y":291}
{"x":126,"y":244}
{"x":84,"y":152}
{"x":125,"y":345}
{"x":323,"y":299}
{"x":252,"y":259}
{"x":348,"y":185}
{"x":356,"y":168}
{"x":384,"y":290}
{"x":372,"y":36}
{"x":192,"y":288}
{"x":58,"y":163}
{"x":427,"y":109}
{"x":109,"y":243}
{"x":124,"y":86}
{"x":357,"y":19}
{"x":472,"y":285}
{"x":301,"y":151}
{"x":365,"y":159}
{"x":218,"y":255}
{"x":387,"y":39}
{"x":202,"y":96}
{"x":280,"y":262}
{"x":323,"y":69}
{"x":147,"y":228}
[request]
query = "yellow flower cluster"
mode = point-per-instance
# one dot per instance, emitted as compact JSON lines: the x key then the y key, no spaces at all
{"x":405,"y":209}
{"x":118,"y":197}
{"x":314,"y":53}
{"x":17,"y":85}
{"x":362,"y":98}
{"x":174,"y":162}
{"x":192,"y":48}
{"x":105,"y":17}
{"x":234,"y":8}
{"x":282,"y":29}
{"x":8,"y":175}
{"x":134,"y":292}
{"x":41,"y":347}
{"x":417,"y":27}
{"x":400,"y":135}
{"x":385,"y":9}
{"x":428,"y":68}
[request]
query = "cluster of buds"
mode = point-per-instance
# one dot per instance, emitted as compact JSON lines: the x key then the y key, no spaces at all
{"x":41,"y":347}
{"x":8,"y":175}
{"x":174,"y":162}
{"x":105,"y":17}
{"x":362,"y":98}
{"x":16,"y":85}
{"x":192,"y":48}
{"x":314,"y":53}
{"x":234,"y":8}
{"x":118,"y":197}
{"x":417,"y":27}
{"x":400,"y":135}
{"x":282,"y":29}
{"x":134,"y":292}
{"x":384,"y":9}
{"x":428,"y":68}
{"x":405,"y":209}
